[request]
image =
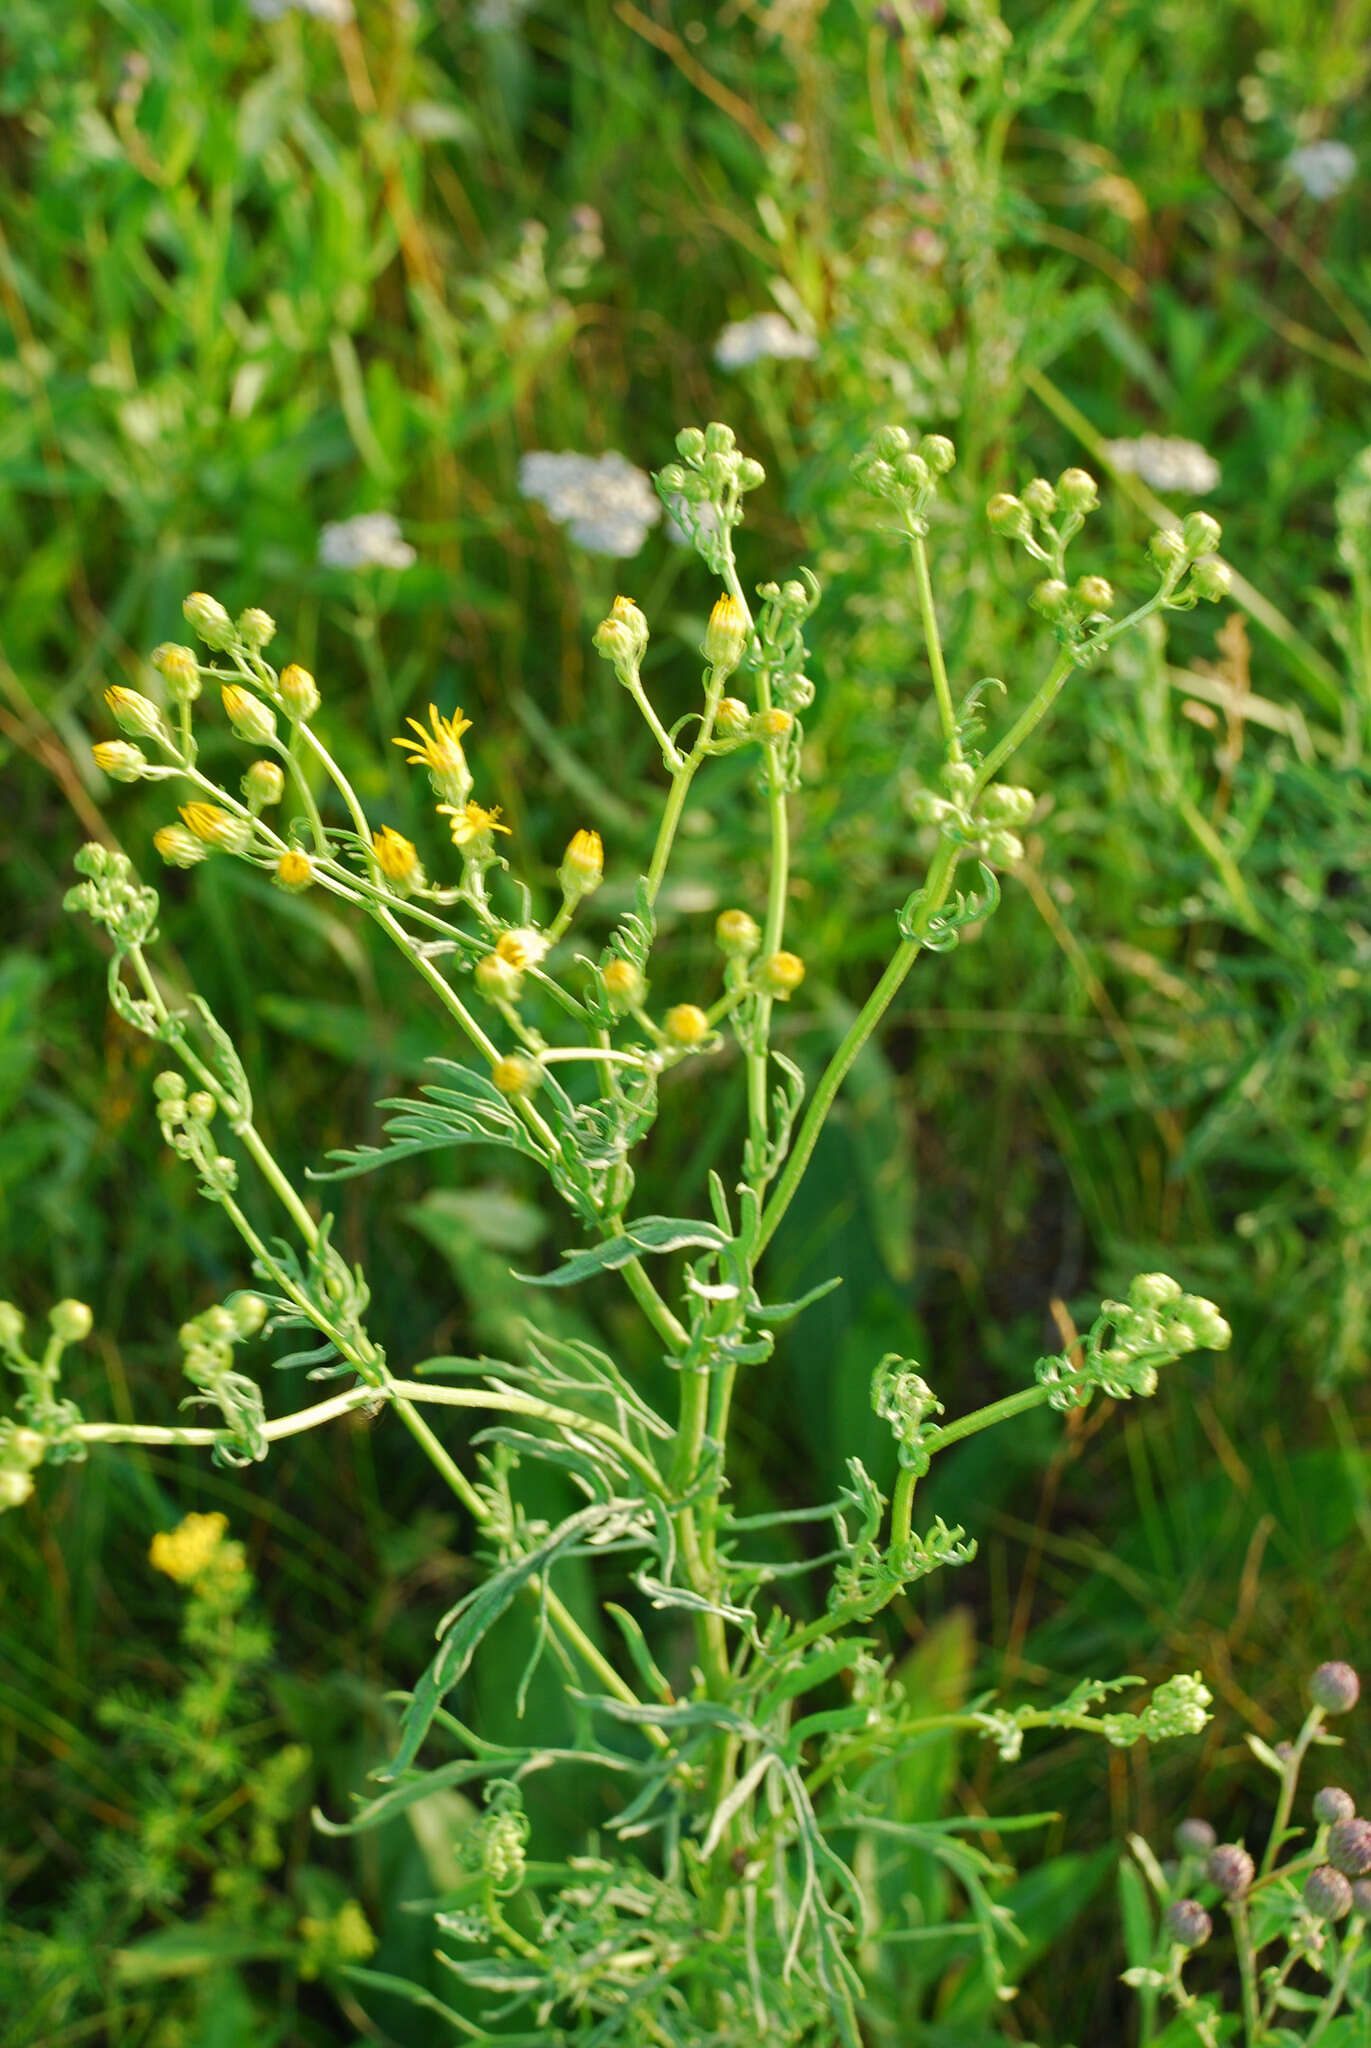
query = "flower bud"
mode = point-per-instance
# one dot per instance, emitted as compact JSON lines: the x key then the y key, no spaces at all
{"x":263,"y":785}
{"x":1193,"y":1836}
{"x":780,"y":974}
{"x":1349,"y":1847}
{"x":750,"y":473}
{"x":179,"y":669}
{"x":294,"y":871}
{"x":1332,"y":1804}
{"x":256,"y":628}
{"x":1154,"y":1290}
{"x":623,"y":984}
{"x":71,"y":1321}
{"x":687,"y":1025}
{"x":1188,"y":1923}
{"x":1211,"y":579}
{"x":732,"y":718}
{"x":200,"y":1105}
{"x":215,"y":826}
{"x":27,"y":1447}
{"x":15,"y":1488}
{"x":1005,"y":803}
{"x":134,"y":713}
{"x":1327,"y":1894}
{"x":514,"y":1075}
{"x":583,"y":865}
{"x":249,"y":1312}
{"x":774,"y":724}
{"x":397,"y":859}
{"x":1166,"y":547}
{"x":888,"y":444}
{"x":219,"y":1324}
{"x":178,"y":848}
{"x":250,"y":718}
{"x":1093,"y":593}
{"x":1201,"y":533}
{"x":298,"y":692}
{"x":1231,"y":1869}
{"x":1040,"y":498}
{"x":11,"y":1327}
{"x":938,"y":452}
{"x":169,"y":1086}
{"x":1051,"y":598}
{"x":1009,"y":517}
{"x":913,"y":472}
{"x":719,"y":439}
{"x":498,"y":979}
{"x":1335,"y":1687}
{"x":690,"y":443}
{"x":738,"y":934}
{"x":120,"y":761}
{"x":207,"y":617}
{"x":622,"y":637}
{"x":726,"y":635}
{"x":1076,"y":491}
{"x":1002,"y":849}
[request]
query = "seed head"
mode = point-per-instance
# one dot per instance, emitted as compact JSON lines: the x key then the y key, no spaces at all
{"x":294,"y":871}
{"x":780,"y":974}
{"x":178,"y":847}
{"x":119,"y":760}
{"x":298,"y":692}
{"x":687,"y":1025}
{"x":725,"y":635}
{"x":1077,"y":491}
{"x":207,"y":617}
{"x":514,"y":1075}
{"x":263,"y":785}
{"x":1327,"y":1894}
{"x":1231,"y":1869}
{"x":623,"y":984}
{"x":1188,"y":1923}
{"x":738,"y":934}
{"x":1335,"y":1687}
{"x":250,"y":718}
{"x":1194,"y":1837}
{"x":133,"y":713}
{"x":179,"y":669}
{"x":1349,"y":1847}
{"x":1333,"y":1804}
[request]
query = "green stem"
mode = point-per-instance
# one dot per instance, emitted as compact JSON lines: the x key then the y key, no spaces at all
{"x":941,"y":688}
{"x":1313,"y":1721}
{"x":1032,"y":714}
{"x":1247,"y":1970}
{"x":1338,"y":1988}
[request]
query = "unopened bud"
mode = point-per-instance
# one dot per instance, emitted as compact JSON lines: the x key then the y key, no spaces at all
{"x":690,"y":443}
{"x":1166,"y":547}
{"x":1231,"y":1869}
{"x":738,"y":934}
{"x":498,"y":979}
{"x":938,"y":452}
{"x":1051,"y":598}
{"x":775,"y":724}
{"x":249,"y":1312}
{"x":1327,"y":1894}
{"x":623,"y":984}
{"x":1005,"y":803}
{"x":1193,"y":1836}
{"x":263,"y":785}
{"x":749,"y":473}
{"x":1201,"y":533}
{"x":780,"y":974}
{"x":686,"y":1025}
{"x":178,"y":847}
{"x":11,"y":1326}
{"x":1188,"y":1923}
{"x":250,"y":718}
{"x":256,"y":628}
{"x":1335,"y":1687}
{"x":719,"y":439}
{"x":1093,"y":593}
{"x":200,"y":1105}
{"x":1076,"y":491}
{"x":119,"y":760}
{"x":216,"y":826}
{"x":622,"y":636}
{"x":397,"y":859}
{"x":583,"y":865}
{"x":1211,"y":579}
{"x":298,"y":692}
{"x":890,"y":443}
{"x":179,"y":670}
{"x":732,"y":718}
{"x":1040,"y":498}
{"x":71,"y":1321}
{"x":514,"y":1075}
{"x":15,"y":1488}
{"x":1332,"y":1804}
{"x":726,"y":635}
{"x":134,"y":713}
{"x":1349,"y":1847}
{"x":294,"y":871}
{"x":1008,"y":516}
{"x":207,"y":617}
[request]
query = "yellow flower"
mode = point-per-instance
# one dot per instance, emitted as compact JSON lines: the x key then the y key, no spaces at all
{"x":472,"y":821}
{"x":179,"y":848}
{"x":133,"y":713}
{"x":726,"y":634}
{"x":215,"y":826}
{"x":687,"y":1025}
{"x":781,"y":974}
{"x":624,"y":984}
{"x":583,"y":865}
{"x":396,"y":858}
{"x":293,"y":870}
{"x":440,"y":751}
{"x":514,"y":1075}
{"x":522,"y":947}
{"x":185,"y":1551}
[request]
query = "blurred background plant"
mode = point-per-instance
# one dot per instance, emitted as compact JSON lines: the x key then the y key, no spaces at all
{"x":264,"y":270}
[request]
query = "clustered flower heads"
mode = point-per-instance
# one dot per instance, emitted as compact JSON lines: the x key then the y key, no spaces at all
{"x":607,"y":505}
{"x":765,"y":337}
{"x":369,"y":540}
{"x":1167,"y":463}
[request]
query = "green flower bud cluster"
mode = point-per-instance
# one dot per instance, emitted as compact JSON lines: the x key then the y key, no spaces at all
{"x":207,"y":1342}
{"x":985,"y":824}
{"x":498,"y":1844}
{"x":780,"y":639}
{"x":906,"y":475}
{"x":1180,"y":1706}
{"x":1129,"y":1340}
{"x":704,"y":490}
{"x":1045,"y":518}
{"x":46,"y":1424}
{"x":901,"y":1397}
{"x":113,"y":896}
{"x":185,"y":1117}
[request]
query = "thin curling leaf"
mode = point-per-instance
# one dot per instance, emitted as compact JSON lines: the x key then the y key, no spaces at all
{"x":650,"y":1234}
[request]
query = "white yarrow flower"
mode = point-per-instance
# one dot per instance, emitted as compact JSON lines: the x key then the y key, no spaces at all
{"x":1324,"y":169}
{"x":1167,"y":463}
{"x":764,"y":336}
{"x":371,"y":540}
{"x":606,"y":504}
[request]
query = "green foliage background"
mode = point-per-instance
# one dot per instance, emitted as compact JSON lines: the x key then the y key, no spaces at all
{"x":257,"y":276}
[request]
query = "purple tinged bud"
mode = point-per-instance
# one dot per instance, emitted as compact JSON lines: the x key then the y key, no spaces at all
{"x":1349,"y":1847}
{"x":1332,"y":1803}
{"x":1327,"y":1894}
{"x":1335,"y":1687}
{"x":1194,"y":1837}
{"x":1231,"y":1869}
{"x":1188,"y":1923}
{"x":1285,"y":1752}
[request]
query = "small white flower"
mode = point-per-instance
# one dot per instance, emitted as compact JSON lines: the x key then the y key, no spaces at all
{"x":606,"y":504}
{"x":1324,"y":169}
{"x":764,"y":336}
{"x":371,"y":540}
{"x":1167,"y":463}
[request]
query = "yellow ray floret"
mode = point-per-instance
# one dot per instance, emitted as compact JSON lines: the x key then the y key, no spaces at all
{"x":471,"y":821}
{"x":440,"y":751}
{"x":395,"y":856}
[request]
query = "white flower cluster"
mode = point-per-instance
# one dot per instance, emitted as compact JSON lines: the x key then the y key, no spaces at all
{"x":1324,"y":169}
{"x":337,"y":11}
{"x":1167,"y":463}
{"x":605,"y":503}
{"x":766,"y":335}
{"x":371,"y":540}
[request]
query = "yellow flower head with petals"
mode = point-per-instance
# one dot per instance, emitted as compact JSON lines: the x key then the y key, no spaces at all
{"x":396,"y":858}
{"x":472,"y":821}
{"x":440,"y":751}
{"x":184,"y":1552}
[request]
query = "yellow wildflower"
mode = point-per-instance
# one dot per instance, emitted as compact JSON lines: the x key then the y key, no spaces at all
{"x":472,"y":821}
{"x":440,"y":751}
{"x":522,"y":947}
{"x":215,"y":826}
{"x":184,"y":1552}
{"x":726,"y":635}
{"x":583,"y":865}
{"x":687,"y":1025}
{"x":515,"y":1075}
{"x":396,"y":858}
{"x":293,"y":870}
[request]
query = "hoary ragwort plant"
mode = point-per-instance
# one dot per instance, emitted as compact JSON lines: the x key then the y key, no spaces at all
{"x":749,"y":1883}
